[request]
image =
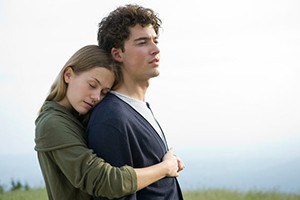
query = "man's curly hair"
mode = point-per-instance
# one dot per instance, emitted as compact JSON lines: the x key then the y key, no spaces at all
{"x":114,"y":29}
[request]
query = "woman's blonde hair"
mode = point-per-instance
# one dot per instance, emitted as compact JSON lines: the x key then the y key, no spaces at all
{"x":84,"y":59}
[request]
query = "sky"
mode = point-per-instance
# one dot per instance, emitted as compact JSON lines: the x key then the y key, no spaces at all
{"x":229,"y":85}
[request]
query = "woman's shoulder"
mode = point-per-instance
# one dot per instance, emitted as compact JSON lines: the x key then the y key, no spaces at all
{"x":54,"y":119}
{"x":52,"y":115}
{"x":55,"y":129}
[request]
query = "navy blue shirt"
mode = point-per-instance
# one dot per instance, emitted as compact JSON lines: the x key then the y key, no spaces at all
{"x":121,"y":136}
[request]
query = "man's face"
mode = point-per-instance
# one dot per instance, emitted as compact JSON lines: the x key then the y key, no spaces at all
{"x":140,"y":58}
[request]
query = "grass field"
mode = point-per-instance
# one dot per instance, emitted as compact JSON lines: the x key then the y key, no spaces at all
{"x":213,"y":194}
{"x":32,"y":194}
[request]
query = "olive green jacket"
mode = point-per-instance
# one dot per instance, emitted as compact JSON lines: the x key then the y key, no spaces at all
{"x":70,"y":169}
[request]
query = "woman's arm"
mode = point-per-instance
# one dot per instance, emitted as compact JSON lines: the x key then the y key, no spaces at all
{"x":170,"y":166}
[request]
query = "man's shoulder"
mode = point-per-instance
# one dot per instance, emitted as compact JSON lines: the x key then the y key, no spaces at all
{"x":110,"y":103}
{"x":110,"y":107}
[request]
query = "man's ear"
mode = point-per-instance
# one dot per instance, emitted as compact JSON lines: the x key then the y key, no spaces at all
{"x":116,"y":54}
{"x":68,"y":74}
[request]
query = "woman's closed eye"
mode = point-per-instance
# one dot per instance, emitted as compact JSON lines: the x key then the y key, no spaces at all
{"x":92,"y":85}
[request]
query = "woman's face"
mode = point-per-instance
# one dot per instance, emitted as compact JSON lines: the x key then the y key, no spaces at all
{"x":86,"y":89}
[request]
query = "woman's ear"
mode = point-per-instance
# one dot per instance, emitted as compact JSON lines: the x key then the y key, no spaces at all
{"x":116,"y":54}
{"x":68,"y":74}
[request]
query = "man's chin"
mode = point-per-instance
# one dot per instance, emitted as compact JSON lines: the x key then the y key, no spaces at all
{"x":156,"y":73}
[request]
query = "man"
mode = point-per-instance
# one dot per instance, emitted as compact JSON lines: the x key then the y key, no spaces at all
{"x":122,"y":129}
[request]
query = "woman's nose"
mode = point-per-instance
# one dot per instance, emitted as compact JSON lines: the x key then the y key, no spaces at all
{"x":96,"y":97}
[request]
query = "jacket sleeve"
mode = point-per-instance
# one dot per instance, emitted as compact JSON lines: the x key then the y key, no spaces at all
{"x":85,"y":170}
{"x":90,"y":173}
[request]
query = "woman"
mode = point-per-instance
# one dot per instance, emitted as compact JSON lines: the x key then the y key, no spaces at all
{"x":70,"y":169}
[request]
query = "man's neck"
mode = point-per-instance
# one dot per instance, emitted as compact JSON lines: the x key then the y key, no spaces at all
{"x":136,"y":91}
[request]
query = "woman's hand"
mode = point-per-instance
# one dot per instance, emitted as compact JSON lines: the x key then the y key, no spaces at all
{"x":174,"y":163}
{"x":180,"y":164}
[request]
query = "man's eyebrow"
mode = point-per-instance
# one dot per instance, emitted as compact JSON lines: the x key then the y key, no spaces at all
{"x":142,"y":38}
{"x":146,"y":38}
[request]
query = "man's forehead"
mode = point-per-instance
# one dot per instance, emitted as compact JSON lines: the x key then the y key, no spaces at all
{"x":138,"y":31}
